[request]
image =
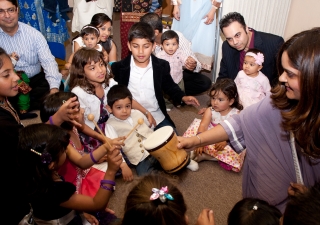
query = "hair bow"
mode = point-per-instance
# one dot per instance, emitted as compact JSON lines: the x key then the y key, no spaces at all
{"x":162,"y":194}
{"x":45,"y":157}
{"x":259,"y":57}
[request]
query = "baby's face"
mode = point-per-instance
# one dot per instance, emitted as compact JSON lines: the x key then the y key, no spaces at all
{"x":90,"y":40}
{"x":170,"y":46}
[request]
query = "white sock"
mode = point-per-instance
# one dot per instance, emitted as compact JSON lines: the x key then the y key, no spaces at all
{"x":193,"y":165}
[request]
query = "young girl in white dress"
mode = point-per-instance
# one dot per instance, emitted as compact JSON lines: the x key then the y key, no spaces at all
{"x":252,"y":84}
{"x":224,"y":102}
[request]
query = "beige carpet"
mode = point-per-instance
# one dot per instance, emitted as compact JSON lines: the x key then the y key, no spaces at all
{"x":210,"y":187}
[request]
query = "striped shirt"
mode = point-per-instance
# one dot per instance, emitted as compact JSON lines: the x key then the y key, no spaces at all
{"x":33,"y":52}
{"x":185,"y":47}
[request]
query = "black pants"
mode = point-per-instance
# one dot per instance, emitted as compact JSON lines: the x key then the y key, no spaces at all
{"x":40,"y":89}
{"x":195,"y":83}
{"x":51,"y":5}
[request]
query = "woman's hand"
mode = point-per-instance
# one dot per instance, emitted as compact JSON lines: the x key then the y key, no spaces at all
{"x":176,"y":12}
{"x":210,"y":16}
{"x":186,"y":142}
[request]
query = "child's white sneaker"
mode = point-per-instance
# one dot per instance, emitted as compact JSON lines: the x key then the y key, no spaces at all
{"x":193,"y":165}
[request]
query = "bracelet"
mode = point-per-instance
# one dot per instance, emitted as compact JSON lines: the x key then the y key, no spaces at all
{"x":50,"y":120}
{"x":199,"y":138}
{"x":92,"y":158}
{"x":146,"y":113}
{"x":104,"y":182}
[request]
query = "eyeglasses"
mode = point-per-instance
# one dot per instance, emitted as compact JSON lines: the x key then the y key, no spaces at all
{"x":10,"y":11}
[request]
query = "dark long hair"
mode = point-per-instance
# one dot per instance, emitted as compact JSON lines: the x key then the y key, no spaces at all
{"x":98,"y":20}
{"x":50,"y":141}
{"x":303,"y":116}
{"x":77,"y":76}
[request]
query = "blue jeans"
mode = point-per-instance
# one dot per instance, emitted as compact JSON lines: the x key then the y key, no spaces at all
{"x":147,"y":166}
{"x":164,"y":123}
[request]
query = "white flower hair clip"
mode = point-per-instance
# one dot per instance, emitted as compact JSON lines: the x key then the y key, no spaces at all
{"x":162,"y":194}
{"x":259,"y":57}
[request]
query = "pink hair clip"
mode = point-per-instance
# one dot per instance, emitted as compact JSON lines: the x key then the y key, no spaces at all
{"x":258,"y":57}
{"x":162,"y":194}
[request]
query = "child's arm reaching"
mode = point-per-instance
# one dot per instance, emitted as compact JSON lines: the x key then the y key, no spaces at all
{"x":68,"y":64}
{"x":87,"y":160}
{"x":136,"y":105}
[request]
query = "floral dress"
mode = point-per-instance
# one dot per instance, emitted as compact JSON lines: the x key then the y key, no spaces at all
{"x":228,"y":158}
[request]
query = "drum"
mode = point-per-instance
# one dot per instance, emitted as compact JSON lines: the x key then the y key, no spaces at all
{"x":162,"y":144}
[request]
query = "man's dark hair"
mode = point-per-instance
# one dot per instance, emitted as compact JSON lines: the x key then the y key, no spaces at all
{"x":230,"y":18}
{"x":168,"y":35}
{"x":14,"y":2}
{"x":118,"y":92}
{"x":154,"y":20}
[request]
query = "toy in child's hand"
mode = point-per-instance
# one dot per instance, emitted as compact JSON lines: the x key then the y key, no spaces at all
{"x":91,"y":118}
{"x":140,"y":122}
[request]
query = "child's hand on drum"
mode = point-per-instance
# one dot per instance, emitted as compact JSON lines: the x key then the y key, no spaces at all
{"x":220,"y":145}
{"x":199,"y":150}
{"x":126,"y":172}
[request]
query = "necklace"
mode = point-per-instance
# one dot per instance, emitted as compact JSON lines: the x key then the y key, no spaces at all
{"x":6,"y":105}
{"x":295,"y":159}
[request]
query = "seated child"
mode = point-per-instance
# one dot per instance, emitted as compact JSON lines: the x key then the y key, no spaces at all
{"x":41,"y":153}
{"x":156,"y":200}
{"x":79,"y":168}
{"x":224,"y":102}
{"x":89,"y":38}
{"x":176,"y":58}
{"x":254,"y":211}
{"x":24,"y":89}
{"x":148,"y":77}
{"x":252,"y":84}
{"x":121,"y":122}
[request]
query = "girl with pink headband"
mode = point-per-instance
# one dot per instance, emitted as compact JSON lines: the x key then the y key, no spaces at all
{"x":252,"y":84}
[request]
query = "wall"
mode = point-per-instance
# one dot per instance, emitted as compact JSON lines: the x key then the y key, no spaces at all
{"x":303,"y":15}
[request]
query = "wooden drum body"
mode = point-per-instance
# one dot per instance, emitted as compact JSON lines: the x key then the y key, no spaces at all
{"x":162,"y":144}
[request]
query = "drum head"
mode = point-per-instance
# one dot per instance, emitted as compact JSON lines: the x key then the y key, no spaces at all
{"x":158,"y":137}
